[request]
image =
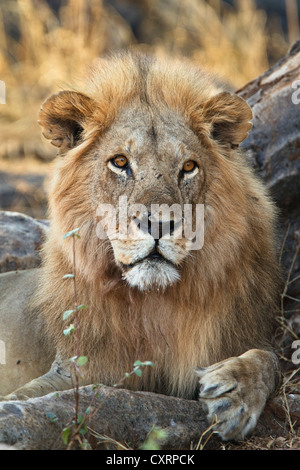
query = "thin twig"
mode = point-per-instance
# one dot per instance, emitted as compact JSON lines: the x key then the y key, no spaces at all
{"x":284,"y":293}
{"x":284,"y":242}
{"x":77,"y":349}
{"x":209,"y":430}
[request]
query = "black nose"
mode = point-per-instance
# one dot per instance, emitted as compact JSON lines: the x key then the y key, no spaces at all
{"x":159,"y":229}
{"x":154,"y":226}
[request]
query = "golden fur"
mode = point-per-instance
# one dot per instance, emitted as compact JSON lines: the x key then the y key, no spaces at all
{"x":223,"y":304}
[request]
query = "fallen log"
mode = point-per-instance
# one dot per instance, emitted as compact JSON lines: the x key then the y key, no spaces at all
{"x":120,"y":417}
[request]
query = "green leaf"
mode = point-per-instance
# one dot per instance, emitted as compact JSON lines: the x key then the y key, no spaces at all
{"x":138,"y":372}
{"x":73,"y":359}
{"x":67,"y":276}
{"x":154,"y":440}
{"x":80,"y":307}
{"x":96,"y":386}
{"x":52,"y":417}
{"x":148,"y":363}
{"x":72,"y":233}
{"x":82,"y":360}
{"x":137,"y":363}
{"x":65,"y":435}
{"x":67,"y":314}
{"x":142,"y":364}
{"x":83,"y":430}
{"x":69,"y":330}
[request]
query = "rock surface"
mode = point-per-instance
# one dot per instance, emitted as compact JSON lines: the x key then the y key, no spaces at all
{"x":273,"y":148}
{"x":120,"y":417}
{"x":21,"y":238}
{"x":23,"y":192}
{"x":273,"y":145}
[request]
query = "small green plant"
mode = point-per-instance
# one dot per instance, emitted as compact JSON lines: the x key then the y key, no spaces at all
{"x":138,"y":365}
{"x":155,"y":439}
{"x":75,"y":433}
{"x":76,"y":361}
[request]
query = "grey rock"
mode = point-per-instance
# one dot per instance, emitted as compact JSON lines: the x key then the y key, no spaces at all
{"x":21,"y":238}
{"x":273,"y":148}
{"x":24,"y":193}
{"x":273,"y":145}
{"x":119,"y":417}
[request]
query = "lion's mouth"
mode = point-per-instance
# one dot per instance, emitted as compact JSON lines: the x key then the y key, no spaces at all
{"x":152,"y":271}
{"x":154,"y":255}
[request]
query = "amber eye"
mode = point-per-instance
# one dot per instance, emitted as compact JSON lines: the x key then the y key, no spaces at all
{"x":120,"y":161}
{"x":189,"y":166}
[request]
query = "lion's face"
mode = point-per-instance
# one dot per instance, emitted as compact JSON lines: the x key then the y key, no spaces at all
{"x":149,"y":167}
{"x":138,"y":164}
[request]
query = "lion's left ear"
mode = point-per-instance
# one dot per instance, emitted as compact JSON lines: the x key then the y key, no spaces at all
{"x":229,"y":116}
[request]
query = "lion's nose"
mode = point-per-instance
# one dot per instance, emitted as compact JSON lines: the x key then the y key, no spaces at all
{"x":159,"y":229}
{"x":155,"y":226}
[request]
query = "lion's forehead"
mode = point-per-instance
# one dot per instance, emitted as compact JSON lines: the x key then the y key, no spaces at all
{"x":144,"y":130}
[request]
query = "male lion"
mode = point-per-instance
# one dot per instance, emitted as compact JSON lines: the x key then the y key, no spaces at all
{"x":158,"y":132}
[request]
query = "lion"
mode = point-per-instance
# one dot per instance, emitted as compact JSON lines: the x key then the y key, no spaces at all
{"x":158,"y":132}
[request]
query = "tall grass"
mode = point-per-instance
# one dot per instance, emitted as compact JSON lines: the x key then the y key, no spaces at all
{"x":41,"y":56}
{"x":42,"y":52}
{"x":230,"y":42}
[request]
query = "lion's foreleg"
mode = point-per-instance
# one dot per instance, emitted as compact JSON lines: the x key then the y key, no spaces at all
{"x":56,"y":379}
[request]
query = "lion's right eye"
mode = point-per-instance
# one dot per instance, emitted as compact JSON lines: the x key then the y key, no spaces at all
{"x":120,"y":161}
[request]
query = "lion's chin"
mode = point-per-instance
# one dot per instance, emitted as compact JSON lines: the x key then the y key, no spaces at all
{"x":150,"y":274}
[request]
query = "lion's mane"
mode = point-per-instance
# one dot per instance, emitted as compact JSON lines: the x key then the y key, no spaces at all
{"x":225,"y":301}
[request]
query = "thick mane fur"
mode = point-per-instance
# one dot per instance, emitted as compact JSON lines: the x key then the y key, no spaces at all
{"x":225,"y":301}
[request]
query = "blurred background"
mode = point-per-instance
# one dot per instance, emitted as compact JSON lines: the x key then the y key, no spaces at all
{"x":45,"y":44}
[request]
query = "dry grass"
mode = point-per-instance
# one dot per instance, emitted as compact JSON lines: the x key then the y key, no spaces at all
{"x":49,"y":51}
{"x":233,"y":44}
{"x":41,"y":52}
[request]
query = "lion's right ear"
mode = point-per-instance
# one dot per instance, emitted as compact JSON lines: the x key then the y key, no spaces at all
{"x":63,"y":117}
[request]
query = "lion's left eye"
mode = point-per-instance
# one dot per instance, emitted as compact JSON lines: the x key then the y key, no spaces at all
{"x":120,"y":161}
{"x":189,"y":166}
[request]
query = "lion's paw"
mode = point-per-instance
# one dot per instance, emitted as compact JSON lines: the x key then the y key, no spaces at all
{"x":234,"y":395}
